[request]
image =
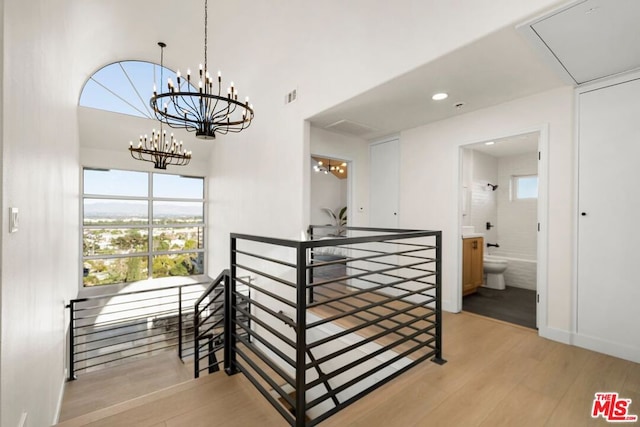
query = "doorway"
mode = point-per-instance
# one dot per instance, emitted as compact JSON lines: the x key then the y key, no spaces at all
{"x":500,"y":191}
{"x":330,"y":193}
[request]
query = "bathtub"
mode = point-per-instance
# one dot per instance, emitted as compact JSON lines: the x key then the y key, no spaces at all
{"x":520,"y":273}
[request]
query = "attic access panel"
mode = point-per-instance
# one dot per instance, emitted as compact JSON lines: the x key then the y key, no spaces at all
{"x":589,"y":39}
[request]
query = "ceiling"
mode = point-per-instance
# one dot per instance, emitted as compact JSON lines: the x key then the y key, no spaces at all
{"x":572,"y":45}
{"x":589,"y":39}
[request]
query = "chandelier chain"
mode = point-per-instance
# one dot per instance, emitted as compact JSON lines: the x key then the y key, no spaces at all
{"x":206,"y":19}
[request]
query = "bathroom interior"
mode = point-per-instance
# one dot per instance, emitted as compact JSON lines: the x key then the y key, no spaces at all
{"x":499,"y":228}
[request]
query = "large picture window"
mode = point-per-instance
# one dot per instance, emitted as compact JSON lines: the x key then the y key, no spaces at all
{"x":140,"y":225}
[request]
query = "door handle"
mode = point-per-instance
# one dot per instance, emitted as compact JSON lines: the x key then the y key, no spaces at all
{"x":475,"y":244}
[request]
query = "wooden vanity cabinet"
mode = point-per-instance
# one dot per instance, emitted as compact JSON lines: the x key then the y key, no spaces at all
{"x":472,"y":262}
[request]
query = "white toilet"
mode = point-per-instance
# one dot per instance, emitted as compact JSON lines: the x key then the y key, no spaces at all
{"x":494,"y":269}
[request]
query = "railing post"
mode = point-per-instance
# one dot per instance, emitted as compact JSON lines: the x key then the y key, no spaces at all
{"x":438,"y":356}
{"x":311,"y":258}
{"x":180,"y":322}
{"x":196,"y":346}
{"x":230,"y":314}
{"x":301,"y":336}
{"x":72,"y":372}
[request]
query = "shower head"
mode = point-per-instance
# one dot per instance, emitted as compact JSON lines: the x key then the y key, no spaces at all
{"x":493,"y":187}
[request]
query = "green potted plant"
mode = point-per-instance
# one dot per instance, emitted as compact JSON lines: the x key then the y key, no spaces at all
{"x":339,"y":220}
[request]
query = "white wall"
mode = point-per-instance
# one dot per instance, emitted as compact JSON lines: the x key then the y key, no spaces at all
{"x":430,"y":181}
{"x":327,"y":67}
{"x":40,"y":177}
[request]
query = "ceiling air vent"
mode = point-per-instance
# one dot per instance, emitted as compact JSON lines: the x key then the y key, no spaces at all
{"x":352,"y":128}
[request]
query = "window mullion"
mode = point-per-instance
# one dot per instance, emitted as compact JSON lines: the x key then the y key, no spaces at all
{"x":150,"y":227}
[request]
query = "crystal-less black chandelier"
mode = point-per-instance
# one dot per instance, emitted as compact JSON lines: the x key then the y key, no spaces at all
{"x":204,"y":110}
{"x":326,"y":168}
{"x":160,"y":150}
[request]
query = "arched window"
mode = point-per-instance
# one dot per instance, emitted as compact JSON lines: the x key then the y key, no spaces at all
{"x":125,"y":87}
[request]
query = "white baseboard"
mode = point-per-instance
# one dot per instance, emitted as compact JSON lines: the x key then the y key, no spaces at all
{"x":607,"y":347}
{"x":554,"y":334}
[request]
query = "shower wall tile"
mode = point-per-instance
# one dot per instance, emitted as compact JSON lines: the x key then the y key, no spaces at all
{"x":483,"y":199}
{"x":517,"y":220}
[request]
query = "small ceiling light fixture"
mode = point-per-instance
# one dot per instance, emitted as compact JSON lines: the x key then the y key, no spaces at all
{"x":440,"y":96}
{"x":205,"y":110}
{"x":336,"y":169}
{"x":489,"y":143}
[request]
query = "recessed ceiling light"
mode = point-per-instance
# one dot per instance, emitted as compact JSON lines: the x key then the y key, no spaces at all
{"x":489,"y":143}
{"x":440,"y":96}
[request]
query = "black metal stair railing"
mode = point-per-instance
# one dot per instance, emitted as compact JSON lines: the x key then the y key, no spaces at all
{"x":109,"y":329}
{"x":328,"y":321}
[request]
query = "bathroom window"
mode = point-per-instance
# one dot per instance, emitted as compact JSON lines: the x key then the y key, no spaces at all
{"x":524,"y":187}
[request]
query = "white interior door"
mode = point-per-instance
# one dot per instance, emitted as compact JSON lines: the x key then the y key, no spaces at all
{"x":608,"y":285}
{"x":384,"y":184}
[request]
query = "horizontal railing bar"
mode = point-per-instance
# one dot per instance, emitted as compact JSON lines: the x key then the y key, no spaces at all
{"x":362,"y":291}
{"x":373,"y":313}
{"x":384,"y":230}
{"x":188,"y":308}
{"x":150,"y":343}
{"x":367,"y":340}
{"x":269,"y":328}
{"x":124,"y":357}
{"x":267,"y":344}
{"x":344,"y":260}
{"x":217,"y":324}
{"x":378,"y":238}
{"x":276,"y":368}
{"x":127,"y":321}
{"x":263,"y":274}
{"x":264,"y":258}
{"x":263,"y":239}
{"x":281,"y":409}
{"x":142,"y":291}
{"x":211,"y":285}
{"x":119,"y":312}
{"x":216,"y":348}
{"x":349,"y":313}
{"x":367,"y":324}
{"x":285,"y":319}
{"x":368,"y":390}
{"x":271,"y":294}
{"x":400,"y":267}
{"x":186,"y":296}
{"x":217,"y":298}
{"x":124,"y":323}
{"x":269,"y":380}
{"x":360,"y":377}
{"x":125,"y":334}
{"x":366,"y":307}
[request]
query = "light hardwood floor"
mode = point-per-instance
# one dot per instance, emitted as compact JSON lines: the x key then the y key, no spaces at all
{"x":497,"y":375}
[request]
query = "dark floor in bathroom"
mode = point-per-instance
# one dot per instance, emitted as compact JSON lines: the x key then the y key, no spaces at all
{"x":513,"y":305}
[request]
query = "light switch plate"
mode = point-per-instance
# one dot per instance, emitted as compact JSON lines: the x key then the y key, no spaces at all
{"x":13,"y":220}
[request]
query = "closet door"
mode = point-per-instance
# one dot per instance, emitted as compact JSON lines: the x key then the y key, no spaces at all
{"x":384,"y":184}
{"x":608,"y":293}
